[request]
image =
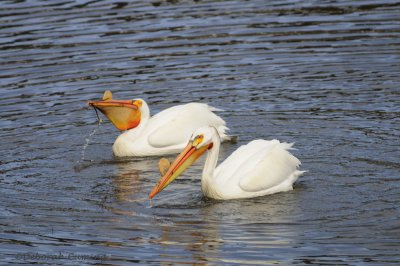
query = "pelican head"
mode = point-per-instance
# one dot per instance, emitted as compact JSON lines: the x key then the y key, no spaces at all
{"x":124,"y":114}
{"x":200,"y":141}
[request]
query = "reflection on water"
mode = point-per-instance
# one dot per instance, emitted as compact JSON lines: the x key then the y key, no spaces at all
{"x":127,"y":184}
{"x":323,"y":74}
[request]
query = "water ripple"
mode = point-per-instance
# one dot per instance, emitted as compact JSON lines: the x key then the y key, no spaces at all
{"x":323,"y":74}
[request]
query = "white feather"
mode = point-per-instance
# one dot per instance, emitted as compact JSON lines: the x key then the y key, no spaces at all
{"x":168,"y":131}
{"x":259,"y":168}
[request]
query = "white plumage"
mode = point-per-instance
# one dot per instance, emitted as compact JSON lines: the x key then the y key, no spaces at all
{"x":168,"y":131}
{"x":259,"y":168}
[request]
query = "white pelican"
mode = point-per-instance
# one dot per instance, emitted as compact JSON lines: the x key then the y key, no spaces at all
{"x":164,"y":133}
{"x":259,"y":168}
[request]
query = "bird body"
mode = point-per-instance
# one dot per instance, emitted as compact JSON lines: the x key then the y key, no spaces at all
{"x":164,"y":133}
{"x":168,"y":131}
{"x":256,"y":169}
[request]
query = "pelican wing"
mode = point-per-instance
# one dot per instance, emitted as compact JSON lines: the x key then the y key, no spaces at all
{"x":175,"y":125}
{"x":260,"y":165}
{"x":240,"y":158}
{"x":275,"y":166}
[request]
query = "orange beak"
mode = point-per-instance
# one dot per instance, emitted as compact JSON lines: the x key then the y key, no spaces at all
{"x":124,"y":114}
{"x":185,"y":159}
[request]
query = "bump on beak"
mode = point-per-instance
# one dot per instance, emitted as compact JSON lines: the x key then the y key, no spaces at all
{"x":184,"y":160}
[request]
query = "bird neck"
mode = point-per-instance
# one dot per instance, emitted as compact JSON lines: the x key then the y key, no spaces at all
{"x":145,"y":114}
{"x":211,"y":163}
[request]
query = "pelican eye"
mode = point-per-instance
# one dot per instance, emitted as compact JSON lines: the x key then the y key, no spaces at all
{"x":198,"y":139}
{"x":138,"y":103}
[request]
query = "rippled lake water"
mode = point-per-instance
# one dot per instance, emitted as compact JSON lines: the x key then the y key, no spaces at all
{"x":323,"y":74}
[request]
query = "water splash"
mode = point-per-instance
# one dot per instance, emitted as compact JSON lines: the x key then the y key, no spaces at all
{"x":80,"y":163}
{"x":87,"y":141}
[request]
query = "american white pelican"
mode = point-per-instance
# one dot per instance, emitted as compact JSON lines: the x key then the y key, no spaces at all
{"x":259,"y":168}
{"x":164,"y":133}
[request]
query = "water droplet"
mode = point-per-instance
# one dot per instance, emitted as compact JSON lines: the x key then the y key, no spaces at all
{"x":84,"y":147}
